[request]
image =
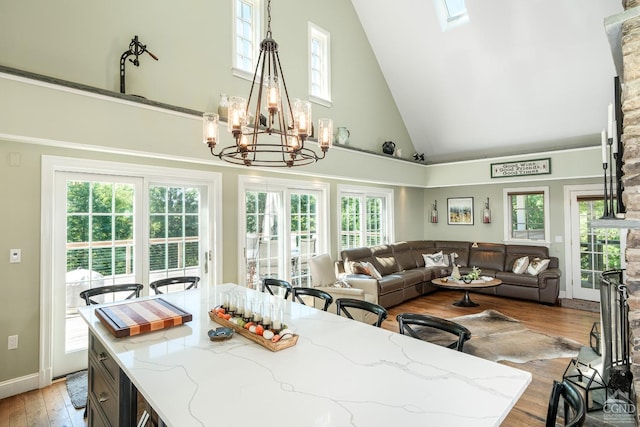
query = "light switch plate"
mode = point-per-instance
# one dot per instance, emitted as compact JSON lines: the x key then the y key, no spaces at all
{"x":15,"y":255}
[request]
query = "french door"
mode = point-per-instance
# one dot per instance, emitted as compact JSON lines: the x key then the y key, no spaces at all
{"x":133,"y":227}
{"x":594,"y":250}
{"x":283,"y":227}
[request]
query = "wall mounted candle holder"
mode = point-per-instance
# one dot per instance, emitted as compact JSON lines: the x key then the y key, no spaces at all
{"x":486,"y":213}
{"x":434,"y":212}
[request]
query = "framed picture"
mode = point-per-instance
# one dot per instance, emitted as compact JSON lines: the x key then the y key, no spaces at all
{"x":460,"y":210}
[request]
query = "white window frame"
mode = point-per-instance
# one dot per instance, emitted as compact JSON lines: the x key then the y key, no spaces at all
{"x":286,"y":187}
{"x":256,"y":27}
{"x":324,"y":38}
{"x":364,"y":192}
{"x":507,"y":216}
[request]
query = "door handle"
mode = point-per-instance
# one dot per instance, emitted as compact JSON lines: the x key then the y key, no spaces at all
{"x":206,"y":262}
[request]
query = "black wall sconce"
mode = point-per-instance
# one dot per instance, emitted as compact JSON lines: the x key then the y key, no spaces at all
{"x":434,"y":212}
{"x":486,"y":213}
{"x":135,"y":48}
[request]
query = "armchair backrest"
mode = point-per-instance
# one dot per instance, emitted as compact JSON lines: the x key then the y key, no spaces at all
{"x":322,"y":270}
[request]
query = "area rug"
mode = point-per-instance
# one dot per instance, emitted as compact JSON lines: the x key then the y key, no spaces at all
{"x":497,"y":337}
{"x":77,"y":385}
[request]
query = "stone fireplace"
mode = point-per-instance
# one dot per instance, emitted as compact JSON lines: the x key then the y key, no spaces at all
{"x":630,"y":80}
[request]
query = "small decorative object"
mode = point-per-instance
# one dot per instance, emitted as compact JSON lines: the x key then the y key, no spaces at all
{"x":486,"y":213}
{"x":388,"y":147}
{"x":343,"y":135}
{"x":135,"y":48}
{"x":460,"y":211}
{"x":220,"y":334}
{"x":456,"y":272}
{"x":418,"y":157}
{"x":474,"y":274}
{"x":398,"y":152}
{"x":434,"y":212}
{"x":223,"y":106}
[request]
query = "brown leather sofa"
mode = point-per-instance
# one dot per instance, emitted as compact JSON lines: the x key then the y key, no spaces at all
{"x":404,"y":276}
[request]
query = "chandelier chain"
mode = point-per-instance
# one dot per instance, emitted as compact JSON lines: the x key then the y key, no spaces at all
{"x":269,"y":19}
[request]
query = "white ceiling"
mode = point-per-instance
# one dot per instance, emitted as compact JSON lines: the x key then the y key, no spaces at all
{"x":522,"y":76}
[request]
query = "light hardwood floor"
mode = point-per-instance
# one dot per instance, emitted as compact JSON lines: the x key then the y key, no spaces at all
{"x":51,"y":406}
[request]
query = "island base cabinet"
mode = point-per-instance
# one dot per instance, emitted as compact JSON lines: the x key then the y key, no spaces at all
{"x":111,"y":398}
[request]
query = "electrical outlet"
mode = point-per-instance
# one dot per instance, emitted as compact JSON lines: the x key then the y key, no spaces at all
{"x":12,"y":342}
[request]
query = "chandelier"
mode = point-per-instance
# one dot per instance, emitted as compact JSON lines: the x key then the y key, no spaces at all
{"x":287,"y":125}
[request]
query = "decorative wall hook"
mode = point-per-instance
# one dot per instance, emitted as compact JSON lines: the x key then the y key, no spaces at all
{"x":135,"y":48}
{"x":486,"y":213}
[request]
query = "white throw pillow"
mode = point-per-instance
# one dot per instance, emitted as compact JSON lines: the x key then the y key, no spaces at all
{"x":373,"y":272}
{"x":434,"y":260}
{"x":520,"y":265}
{"x":537,"y":265}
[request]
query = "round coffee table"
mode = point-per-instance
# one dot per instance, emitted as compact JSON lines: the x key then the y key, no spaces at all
{"x":466,"y":287}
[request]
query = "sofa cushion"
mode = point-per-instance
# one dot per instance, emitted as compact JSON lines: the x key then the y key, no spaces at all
{"x":420,"y":247}
{"x":461,"y":248}
{"x":383,"y":259}
{"x":537,"y":265}
{"x":520,"y":265}
{"x":404,"y":256}
{"x":487,"y":256}
{"x":364,"y":267}
{"x":512,"y":278}
{"x":390,"y":283}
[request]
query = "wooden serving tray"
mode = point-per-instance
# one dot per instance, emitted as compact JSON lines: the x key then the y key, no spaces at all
{"x":138,"y":317}
{"x":273,"y":346}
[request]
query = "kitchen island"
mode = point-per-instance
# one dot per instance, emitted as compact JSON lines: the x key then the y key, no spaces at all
{"x":340,"y":373}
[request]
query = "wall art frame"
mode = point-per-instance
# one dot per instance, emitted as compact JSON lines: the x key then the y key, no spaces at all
{"x":460,"y":210}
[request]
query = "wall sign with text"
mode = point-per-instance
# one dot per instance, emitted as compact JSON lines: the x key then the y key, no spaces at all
{"x":521,"y":168}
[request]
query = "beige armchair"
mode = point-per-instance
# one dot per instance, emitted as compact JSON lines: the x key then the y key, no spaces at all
{"x":323,"y":276}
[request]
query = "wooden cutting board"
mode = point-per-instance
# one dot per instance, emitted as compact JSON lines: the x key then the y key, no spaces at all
{"x":138,"y":317}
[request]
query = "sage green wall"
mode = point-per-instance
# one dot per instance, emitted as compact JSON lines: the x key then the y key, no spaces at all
{"x":82,"y":42}
{"x":20,"y":228}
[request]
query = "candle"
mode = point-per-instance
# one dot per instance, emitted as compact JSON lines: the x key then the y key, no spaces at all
{"x":604,"y":147}
{"x":273,"y":97}
{"x":302,"y":124}
{"x":614,"y":147}
{"x":610,"y":119}
{"x":236,"y":120}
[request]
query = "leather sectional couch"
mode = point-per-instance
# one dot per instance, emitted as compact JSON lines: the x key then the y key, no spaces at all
{"x":404,"y":276}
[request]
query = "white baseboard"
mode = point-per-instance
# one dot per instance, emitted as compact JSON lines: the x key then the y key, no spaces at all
{"x":562,"y":294}
{"x":19,"y":385}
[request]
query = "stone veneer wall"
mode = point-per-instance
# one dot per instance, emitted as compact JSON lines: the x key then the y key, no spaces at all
{"x":631,"y":178}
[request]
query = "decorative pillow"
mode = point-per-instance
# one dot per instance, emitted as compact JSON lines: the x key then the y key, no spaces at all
{"x":365,"y":268}
{"x":341,"y":283}
{"x":358,"y":268}
{"x":537,"y":265}
{"x":520,"y":265}
{"x":373,"y":271}
{"x":435,"y":260}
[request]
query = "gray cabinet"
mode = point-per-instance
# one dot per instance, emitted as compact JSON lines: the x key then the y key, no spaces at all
{"x":111,"y":398}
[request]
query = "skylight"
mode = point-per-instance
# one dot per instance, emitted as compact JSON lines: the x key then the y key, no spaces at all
{"x":455,"y":9}
{"x":451,"y":13}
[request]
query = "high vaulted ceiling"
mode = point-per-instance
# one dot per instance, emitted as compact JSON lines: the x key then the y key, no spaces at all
{"x":521,"y":76}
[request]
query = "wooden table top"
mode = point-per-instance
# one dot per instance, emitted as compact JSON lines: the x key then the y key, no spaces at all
{"x":449,"y":283}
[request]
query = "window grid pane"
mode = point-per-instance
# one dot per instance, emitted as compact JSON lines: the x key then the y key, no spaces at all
{"x":527,"y":216}
{"x":174,"y":240}
{"x":245,"y":34}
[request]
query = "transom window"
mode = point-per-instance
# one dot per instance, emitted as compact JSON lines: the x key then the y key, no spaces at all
{"x":319,"y":65}
{"x":527,"y":214}
{"x":366,"y":216}
{"x":246,"y":36}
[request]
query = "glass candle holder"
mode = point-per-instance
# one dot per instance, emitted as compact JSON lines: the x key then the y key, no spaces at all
{"x":266,"y":315}
{"x":247,"y":315}
{"x":277,"y":317}
{"x":257,"y":311}
{"x":240,"y":303}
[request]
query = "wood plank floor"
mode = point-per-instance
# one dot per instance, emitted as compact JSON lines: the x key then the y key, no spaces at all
{"x":51,"y":406}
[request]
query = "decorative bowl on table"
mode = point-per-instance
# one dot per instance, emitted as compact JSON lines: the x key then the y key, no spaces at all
{"x":220,"y":334}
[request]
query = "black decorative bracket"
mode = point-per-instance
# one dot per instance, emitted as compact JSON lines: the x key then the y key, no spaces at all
{"x":135,"y":48}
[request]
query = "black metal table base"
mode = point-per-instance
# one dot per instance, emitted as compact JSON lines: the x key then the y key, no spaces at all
{"x":465,"y":301}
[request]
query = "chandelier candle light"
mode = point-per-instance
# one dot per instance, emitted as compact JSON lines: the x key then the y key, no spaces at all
{"x":291,"y":122}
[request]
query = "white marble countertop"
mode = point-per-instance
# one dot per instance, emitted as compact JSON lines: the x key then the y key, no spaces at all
{"x":340,"y":373}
